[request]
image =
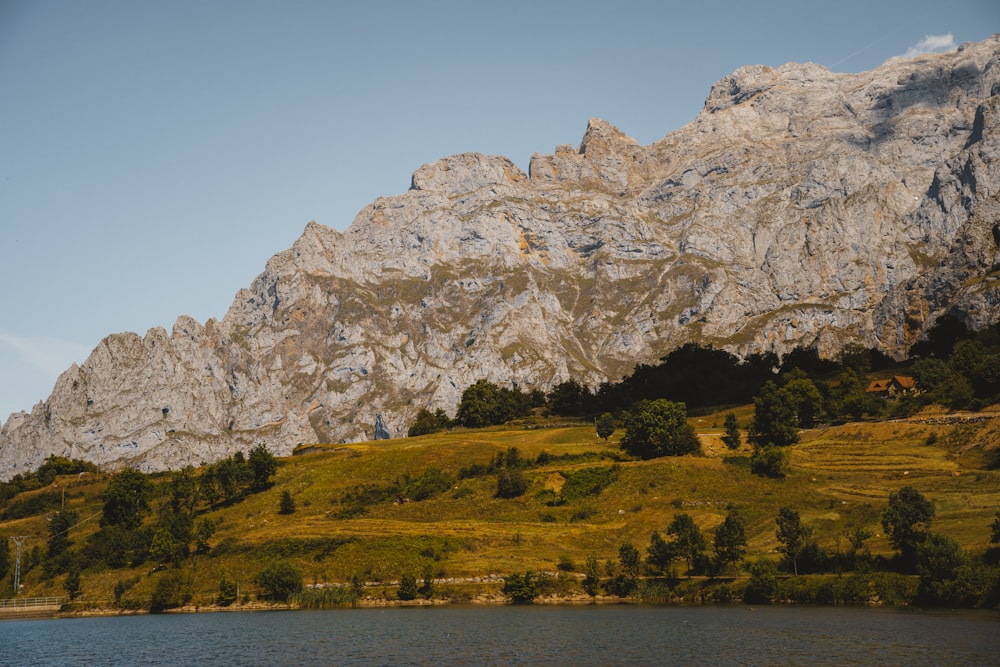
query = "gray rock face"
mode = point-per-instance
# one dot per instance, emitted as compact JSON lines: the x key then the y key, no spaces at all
{"x":800,"y":208}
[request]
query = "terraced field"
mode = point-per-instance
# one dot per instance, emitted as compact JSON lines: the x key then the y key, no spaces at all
{"x":840,"y":478}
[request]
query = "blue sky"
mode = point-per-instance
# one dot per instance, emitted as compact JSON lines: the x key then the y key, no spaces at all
{"x":154,"y":155}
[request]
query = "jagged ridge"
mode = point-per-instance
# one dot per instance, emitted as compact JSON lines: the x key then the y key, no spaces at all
{"x":801,"y":207}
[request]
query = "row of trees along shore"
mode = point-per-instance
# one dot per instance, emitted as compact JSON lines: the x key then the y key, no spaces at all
{"x":945,"y":574}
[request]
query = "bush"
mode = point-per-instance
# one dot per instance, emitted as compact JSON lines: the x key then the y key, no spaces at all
{"x":280,"y":581}
{"x":769,"y":461}
{"x":407,"y":588}
{"x":587,"y":482}
{"x":521,"y":588}
{"x":763,"y":584}
{"x":511,"y":484}
{"x":172,"y":590}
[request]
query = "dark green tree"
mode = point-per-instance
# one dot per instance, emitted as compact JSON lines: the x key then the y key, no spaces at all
{"x":605,"y":426}
{"x":263,"y":467}
{"x":172,"y":589}
{"x":688,"y":540}
{"x":769,"y":461}
{"x":486,"y":404}
{"x":427,"y":422}
{"x":511,"y":483}
{"x":592,"y":576}
{"x":427,"y":587}
{"x":4,"y":556}
{"x":906,"y":519}
{"x":72,"y":583}
{"x":280,"y":581}
{"x":286,"y":505}
{"x":809,"y":403}
{"x":126,"y":499}
{"x":228,"y":591}
{"x":407,"y":588}
{"x":521,"y":588}
{"x":940,"y":562}
{"x":659,"y":428}
{"x":851,"y":400}
{"x":625,"y":577}
{"x":994,"y":533}
{"x":204,"y":528}
{"x":775,"y":418}
{"x":763,"y":584}
{"x":567,"y":398}
{"x":164,"y":549}
{"x":730,"y":542}
{"x":660,"y":553}
{"x":59,"y":527}
{"x":732,"y":436}
{"x":792,"y":535}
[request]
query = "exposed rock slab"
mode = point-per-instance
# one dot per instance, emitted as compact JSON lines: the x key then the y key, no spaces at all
{"x":801,"y":207}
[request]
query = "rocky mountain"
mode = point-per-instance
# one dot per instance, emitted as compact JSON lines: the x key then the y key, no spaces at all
{"x":800,"y":208}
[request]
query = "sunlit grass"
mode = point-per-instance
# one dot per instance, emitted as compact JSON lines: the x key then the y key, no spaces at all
{"x":840,"y":478}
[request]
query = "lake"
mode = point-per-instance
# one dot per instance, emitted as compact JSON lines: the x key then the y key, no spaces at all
{"x":526,"y":635}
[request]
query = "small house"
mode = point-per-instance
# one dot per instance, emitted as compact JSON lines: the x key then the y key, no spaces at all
{"x":897,"y":385}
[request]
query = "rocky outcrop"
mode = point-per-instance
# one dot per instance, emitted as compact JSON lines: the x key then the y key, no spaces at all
{"x":800,"y":208}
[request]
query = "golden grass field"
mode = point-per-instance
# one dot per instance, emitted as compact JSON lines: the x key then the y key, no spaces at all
{"x":840,"y":477}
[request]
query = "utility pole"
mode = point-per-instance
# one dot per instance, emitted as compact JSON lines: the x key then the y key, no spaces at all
{"x":19,"y":541}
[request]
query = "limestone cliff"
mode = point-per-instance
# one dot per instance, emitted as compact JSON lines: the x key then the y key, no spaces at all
{"x":800,"y":207}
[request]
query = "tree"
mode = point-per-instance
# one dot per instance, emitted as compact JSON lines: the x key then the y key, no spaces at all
{"x":807,"y":398}
{"x":262,"y":467}
{"x":286,"y":505}
{"x":730,"y":541}
{"x":126,"y":499}
{"x":204,"y":528}
{"x":732,"y":436}
{"x":172,"y":589}
{"x":605,"y":426}
{"x":660,"y":553}
{"x":567,"y":398}
{"x":72,"y":583}
{"x":228,"y":591}
{"x":994,"y":533}
{"x":659,"y":428}
{"x":407,"y":588}
{"x":792,"y":535}
{"x":427,"y":422}
{"x":164,"y":548}
{"x":769,"y":461}
{"x":763,"y":584}
{"x":511,"y":483}
{"x":59,"y":527}
{"x":939,"y":562}
{"x":521,"y":588}
{"x":280,"y":581}
{"x":688,"y":540}
{"x":592,"y":576}
{"x":4,"y":556}
{"x":906,"y":519}
{"x":486,"y":404}
{"x":775,"y":418}
{"x":427,"y":587}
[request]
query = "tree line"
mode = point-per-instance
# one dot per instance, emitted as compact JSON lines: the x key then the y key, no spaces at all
{"x":125,"y":537}
{"x":946,"y":575}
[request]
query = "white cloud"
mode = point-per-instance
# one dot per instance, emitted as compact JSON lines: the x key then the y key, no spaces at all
{"x":932,"y":44}
{"x":52,"y":355}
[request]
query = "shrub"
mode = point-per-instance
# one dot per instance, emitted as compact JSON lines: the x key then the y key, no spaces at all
{"x":280,"y":581}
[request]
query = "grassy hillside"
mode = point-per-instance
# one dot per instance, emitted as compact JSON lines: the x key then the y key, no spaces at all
{"x":840,"y":478}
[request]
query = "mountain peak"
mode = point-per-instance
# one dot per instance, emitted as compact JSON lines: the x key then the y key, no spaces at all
{"x":800,"y":208}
